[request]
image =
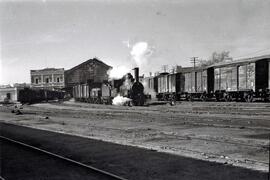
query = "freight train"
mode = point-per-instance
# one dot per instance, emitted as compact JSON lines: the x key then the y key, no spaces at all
{"x":240,"y":80}
{"x":244,"y":79}
{"x":31,"y":96}
{"x":103,"y":93}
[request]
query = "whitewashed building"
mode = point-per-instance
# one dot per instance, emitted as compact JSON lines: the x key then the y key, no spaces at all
{"x":9,"y":94}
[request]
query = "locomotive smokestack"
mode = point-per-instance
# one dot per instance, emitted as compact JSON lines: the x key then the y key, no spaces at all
{"x":136,"y":72}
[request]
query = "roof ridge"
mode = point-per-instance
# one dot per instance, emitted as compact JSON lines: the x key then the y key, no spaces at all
{"x":87,"y":61}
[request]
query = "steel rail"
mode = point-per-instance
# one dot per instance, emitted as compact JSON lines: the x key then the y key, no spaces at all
{"x":65,"y":159}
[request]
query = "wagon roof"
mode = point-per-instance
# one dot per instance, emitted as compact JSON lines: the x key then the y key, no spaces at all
{"x":241,"y":61}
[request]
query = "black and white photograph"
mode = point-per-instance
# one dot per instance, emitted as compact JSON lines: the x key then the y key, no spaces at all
{"x":134,"y":89}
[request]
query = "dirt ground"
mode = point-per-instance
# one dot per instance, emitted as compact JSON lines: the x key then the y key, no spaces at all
{"x":232,"y":133}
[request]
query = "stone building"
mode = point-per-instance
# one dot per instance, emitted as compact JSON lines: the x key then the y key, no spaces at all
{"x":48,"y":78}
{"x":92,"y":72}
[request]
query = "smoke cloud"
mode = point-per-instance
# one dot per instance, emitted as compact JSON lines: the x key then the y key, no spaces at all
{"x":120,"y":100}
{"x":140,"y":53}
{"x":118,"y":72}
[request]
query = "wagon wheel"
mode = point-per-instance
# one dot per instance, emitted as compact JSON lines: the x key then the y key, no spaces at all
{"x":249,"y":98}
{"x":164,"y":98}
{"x":102,"y":101}
{"x":188,"y":97}
{"x":173,"y":100}
{"x":228,"y":98}
{"x":217,"y":98}
{"x":203,"y":97}
{"x":264,"y":97}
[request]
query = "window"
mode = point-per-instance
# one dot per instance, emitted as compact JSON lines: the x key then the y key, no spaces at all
{"x":58,"y":79}
{"x":36,"y":80}
{"x":47,"y":80}
{"x":8,"y":96}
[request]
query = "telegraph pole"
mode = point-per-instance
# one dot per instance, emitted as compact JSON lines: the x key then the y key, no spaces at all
{"x":193,"y":60}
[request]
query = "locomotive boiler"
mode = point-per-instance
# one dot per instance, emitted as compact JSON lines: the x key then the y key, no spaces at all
{"x":137,"y":90}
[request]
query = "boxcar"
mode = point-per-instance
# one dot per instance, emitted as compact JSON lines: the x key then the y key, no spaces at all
{"x":162,"y":85}
{"x":99,"y":93}
{"x":244,"y":79}
{"x":197,"y":83}
{"x":167,"y":86}
{"x":28,"y":95}
{"x":150,"y":89}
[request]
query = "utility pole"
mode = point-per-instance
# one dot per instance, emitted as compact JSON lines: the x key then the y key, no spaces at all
{"x":193,"y":60}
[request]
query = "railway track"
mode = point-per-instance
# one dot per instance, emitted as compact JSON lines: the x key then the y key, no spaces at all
{"x":186,"y":137}
{"x":131,"y":162}
{"x":226,"y":141}
{"x":98,"y":172}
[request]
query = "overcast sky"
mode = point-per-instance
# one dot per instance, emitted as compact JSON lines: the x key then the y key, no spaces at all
{"x":62,"y":34}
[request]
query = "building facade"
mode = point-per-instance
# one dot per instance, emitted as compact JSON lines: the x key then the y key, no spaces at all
{"x":9,"y":94}
{"x":48,"y":78}
{"x":91,"y":72}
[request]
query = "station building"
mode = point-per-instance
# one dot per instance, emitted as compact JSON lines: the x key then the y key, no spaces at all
{"x":92,"y":72}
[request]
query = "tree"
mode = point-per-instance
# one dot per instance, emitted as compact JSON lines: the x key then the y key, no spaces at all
{"x":215,"y":58}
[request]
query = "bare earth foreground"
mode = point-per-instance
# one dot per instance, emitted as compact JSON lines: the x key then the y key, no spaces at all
{"x":231,"y":133}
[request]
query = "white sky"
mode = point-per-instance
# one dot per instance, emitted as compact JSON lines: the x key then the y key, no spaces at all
{"x":39,"y":34}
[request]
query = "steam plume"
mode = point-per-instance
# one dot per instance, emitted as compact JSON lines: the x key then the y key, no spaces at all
{"x":140,"y":53}
{"x":118,"y":72}
{"x":120,"y":100}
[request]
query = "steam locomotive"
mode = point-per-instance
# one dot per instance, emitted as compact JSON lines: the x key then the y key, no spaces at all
{"x":135,"y":91}
{"x":103,"y":93}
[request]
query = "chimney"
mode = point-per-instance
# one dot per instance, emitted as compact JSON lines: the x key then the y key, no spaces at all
{"x":136,"y":72}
